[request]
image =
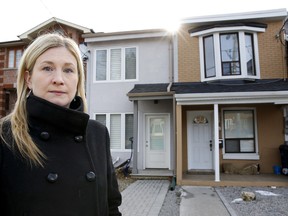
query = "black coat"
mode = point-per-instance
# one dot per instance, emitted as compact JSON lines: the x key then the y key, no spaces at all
{"x":78,"y":178}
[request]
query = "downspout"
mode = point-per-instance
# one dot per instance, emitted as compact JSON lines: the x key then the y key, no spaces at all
{"x":171,"y":63}
{"x":172,"y":69}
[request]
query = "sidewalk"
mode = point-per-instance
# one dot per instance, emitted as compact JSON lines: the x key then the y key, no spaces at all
{"x":204,"y":201}
{"x":144,"y":198}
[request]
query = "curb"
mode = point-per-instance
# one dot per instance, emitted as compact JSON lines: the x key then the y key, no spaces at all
{"x":226,"y":204}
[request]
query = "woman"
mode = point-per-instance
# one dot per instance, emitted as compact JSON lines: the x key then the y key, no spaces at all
{"x":54,"y":160}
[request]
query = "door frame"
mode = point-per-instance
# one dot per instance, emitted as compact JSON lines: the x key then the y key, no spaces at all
{"x":168,"y":137}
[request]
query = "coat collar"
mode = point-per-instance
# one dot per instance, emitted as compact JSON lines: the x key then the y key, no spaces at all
{"x":44,"y":113}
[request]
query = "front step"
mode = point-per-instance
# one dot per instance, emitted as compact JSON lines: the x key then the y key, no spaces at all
{"x":200,"y":172}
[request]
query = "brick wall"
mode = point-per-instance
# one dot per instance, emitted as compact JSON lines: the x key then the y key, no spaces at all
{"x":2,"y":65}
{"x":271,"y":53}
{"x":188,"y":57}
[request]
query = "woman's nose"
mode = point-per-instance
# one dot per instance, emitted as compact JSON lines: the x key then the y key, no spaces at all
{"x":58,"y":78}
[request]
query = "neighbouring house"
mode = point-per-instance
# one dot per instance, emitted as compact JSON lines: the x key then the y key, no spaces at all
{"x":117,"y":62}
{"x":11,"y":52}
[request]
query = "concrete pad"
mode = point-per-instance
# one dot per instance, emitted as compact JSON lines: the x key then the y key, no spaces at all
{"x":202,"y":201}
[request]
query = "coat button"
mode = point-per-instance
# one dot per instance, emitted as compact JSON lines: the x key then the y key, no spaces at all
{"x":90,"y":176}
{"x":45,"y":135}
{"x":78,"y":138}
{"x":52,"y":177}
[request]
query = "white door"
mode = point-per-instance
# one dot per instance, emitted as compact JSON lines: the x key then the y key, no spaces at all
{"x":199,"y":134}
{"x":157,"y":141}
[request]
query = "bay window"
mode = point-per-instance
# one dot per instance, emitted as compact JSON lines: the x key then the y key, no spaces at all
{"x":229,"y":52}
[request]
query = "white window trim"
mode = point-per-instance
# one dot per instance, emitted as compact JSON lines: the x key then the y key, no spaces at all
{"x":108,"y":117}
{"x":241,"y":156}
{"x":216,"y":40}
{"x":108,"y":49}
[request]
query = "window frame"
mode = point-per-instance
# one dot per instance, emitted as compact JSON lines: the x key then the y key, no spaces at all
{"x":232,"y":61}
{"x":215,"y":33}
{"x":244,"y":155}
{"x":123,"y":128}
{"x":108,"y":62}
{"x":16,"y":58}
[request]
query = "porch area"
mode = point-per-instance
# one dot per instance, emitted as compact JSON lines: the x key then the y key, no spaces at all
{"x":259,"y":180}
{"x":208,"y":179}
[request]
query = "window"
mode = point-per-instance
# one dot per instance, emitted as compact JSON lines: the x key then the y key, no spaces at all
{"x":130,"y":63}
{"x":229,"y":52}
{"x":115,"y":131}
{"x":239,"y":131}
{"x":128,"y":130}
{"x":116,"y":64}
{"x":210,"y":68}
{"x":101,"y":118}
{"x":120,"y":127}
{"x":229,"y":49}
{"x":14,"y":58}
{"x":101,"y":64}
{"x":250,"y":56}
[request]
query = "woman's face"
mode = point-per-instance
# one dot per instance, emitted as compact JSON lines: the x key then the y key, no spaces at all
{"x":54,"y":76}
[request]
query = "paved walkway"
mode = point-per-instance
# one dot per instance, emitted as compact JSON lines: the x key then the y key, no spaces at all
{"x":204,"y":201}
{"x":144,"y":198}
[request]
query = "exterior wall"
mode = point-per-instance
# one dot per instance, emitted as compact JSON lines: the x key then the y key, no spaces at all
{"x":2,"y":65}
{"x":188,"y":57}
{"x":7,"y":81}
{"x":153,"y":67}
{"x":111,"y":97}
{"x":270,"y":132}
{"x":272,"y":53}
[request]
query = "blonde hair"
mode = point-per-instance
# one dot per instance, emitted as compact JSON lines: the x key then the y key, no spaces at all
{"x":18,"y":117}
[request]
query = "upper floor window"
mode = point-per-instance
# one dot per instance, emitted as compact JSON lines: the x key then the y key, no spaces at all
{"x":120,"y":126}
{"x":14,"y":58}
{"x":229,"y":52}
{"x":116,"y":64}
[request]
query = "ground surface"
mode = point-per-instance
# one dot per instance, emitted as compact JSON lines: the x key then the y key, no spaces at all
{"x":171,"y":204}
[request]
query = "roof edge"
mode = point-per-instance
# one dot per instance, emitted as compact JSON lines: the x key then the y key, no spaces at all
{"x":275,"y":13}
{"x":57,"y":20}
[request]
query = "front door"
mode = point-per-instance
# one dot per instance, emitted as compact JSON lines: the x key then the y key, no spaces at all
{"x":199,"y":134}
{"x":157,"y":141}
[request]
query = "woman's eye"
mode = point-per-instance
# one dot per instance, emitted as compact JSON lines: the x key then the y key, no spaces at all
{"x":47,"y":68}
{"x":68,"y":70}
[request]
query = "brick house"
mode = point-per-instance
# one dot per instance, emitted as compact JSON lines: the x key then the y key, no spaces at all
{"x":11,"y":52}
{"x":231,"y":93}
